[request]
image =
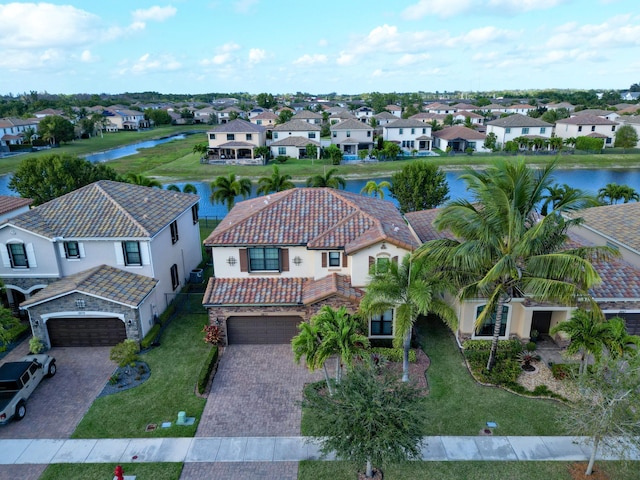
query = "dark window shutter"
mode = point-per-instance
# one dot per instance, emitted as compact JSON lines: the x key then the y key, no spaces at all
{"x":395,"y":259}
{"x":324,"y":259}
{"x":284,"y":260}
{"x":345,"y":260}
{"x":244,"y":260}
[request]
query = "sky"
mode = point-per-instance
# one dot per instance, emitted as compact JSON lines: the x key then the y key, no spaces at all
{"x":317,"y":47}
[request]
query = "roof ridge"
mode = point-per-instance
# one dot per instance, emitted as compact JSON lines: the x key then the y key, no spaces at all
{"x":121,"y":208}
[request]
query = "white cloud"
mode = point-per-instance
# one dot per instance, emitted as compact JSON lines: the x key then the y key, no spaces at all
{"x":86,"y":56}
{"x":155,"y":13}
{"x":438,"y":8}
{"x":223,"y":56}
{"x":323,"y":42}
{"x":257,"y":55}
{"x":519,"y":6}
{"x":618,"y":31}
{"x":452,"y":8}
{"x":150,"y":64}
{"x":307,"y":59}
{"x":345,"y":59}
{"x":411,"y":59}
{"x":244,"y":6}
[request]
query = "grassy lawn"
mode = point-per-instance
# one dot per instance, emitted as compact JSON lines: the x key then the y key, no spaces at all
{"x":100,"y":471}
{"x":459,"y":406}
{"x":174,"y":365}
{"x":318,"y":470}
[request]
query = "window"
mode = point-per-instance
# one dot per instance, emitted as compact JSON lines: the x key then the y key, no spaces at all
{"x":131,"y":252}
{"x":382,"y":325}
{"x":334,"y":134}
{"x":264,"y":259}
{"x":212,"y":136}
{"x":487,"y":329}
{"x":175,"y":281}
{"x":275,"y":135}
{"x":258,"y":122}
{"x":348,"y":134}
{"x":424,"y":131}
{"x":249,"y":136}
{"x":507,"y":130}
{"x":368,"y":133}
{"x":413,"y":131}
{"x":543,"y":130}
{"x":71,"y":250}
{"x":174,"y":232}
{"x":312,"y":134}
{"x":613,"y":128}
{"x":18,"y":255}
{"x":282,"y":150}
{"x":525,"y":130}
{"x":231,"y":136}
{"x":401,"y":131}
{"x":579,"y":128}
{"x":194,"y":213}
{"x":334,"y":259}
{"x":593,"y":128}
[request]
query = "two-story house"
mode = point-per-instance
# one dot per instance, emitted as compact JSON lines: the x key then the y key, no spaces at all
{"x":587,"y":125}
{"x":291,"y":139}
{"x":97,"y":265}
{"x":459,"y":138}
{"x":125,"y":119}
{"x":279,"y":258}
{"x":308,"y":116}
{"x":12,"y":130}
{"x":227,"y":114}
{"x":266,"y":119}
{"x":236,"y":139}
{"x":351,"y":136}
{"x":517,"y":125}
{"x":409,"y":133}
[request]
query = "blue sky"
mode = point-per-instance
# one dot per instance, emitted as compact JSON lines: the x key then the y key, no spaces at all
{"x":346,"y":46}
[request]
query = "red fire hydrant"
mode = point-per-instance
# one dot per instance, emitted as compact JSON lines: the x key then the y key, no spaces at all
{"x":119,"y":473}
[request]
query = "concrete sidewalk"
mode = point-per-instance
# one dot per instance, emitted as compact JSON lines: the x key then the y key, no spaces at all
{"x":281,"y":449}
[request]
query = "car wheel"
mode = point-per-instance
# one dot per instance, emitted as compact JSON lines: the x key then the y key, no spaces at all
{"x":52,"y":369}
{"x":21,"y":410}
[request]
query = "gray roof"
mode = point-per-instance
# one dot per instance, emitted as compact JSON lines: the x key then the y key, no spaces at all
{"x":385,"y":116}
{"x":407,"y":123}
{"x":306,"y":114}
{"x":238,"y":126}
{"x":106,"y":209}
{"x":587,"y":119}
{"x":294,"y":141}
{"x":102,"y":281}
{"x":518,"y":120}
{"x":296,"y":126}
{"x":351,"y":124}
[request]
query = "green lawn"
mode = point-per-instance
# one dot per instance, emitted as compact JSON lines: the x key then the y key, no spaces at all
{"x":174,"y":365}
{"x":101,"y":471}
{"x":318,"y":470}
{"x":459,"y":406}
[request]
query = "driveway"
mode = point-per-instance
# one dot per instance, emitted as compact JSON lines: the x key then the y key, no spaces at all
{"x":255,"y":393}
{"x":59,"y":403}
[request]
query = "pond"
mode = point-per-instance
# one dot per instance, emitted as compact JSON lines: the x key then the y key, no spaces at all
{"x":130,"y":149}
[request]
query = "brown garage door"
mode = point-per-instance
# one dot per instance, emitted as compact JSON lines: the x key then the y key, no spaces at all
{"x":631,"y":320}
{"x":261,"y":330}
{"x":85,"y":332}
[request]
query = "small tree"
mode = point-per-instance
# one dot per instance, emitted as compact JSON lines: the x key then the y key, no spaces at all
{"x":420,"y":185}
{"x":371,"y":418}
{"x":607,"y":411}
{"x":626,"y":137}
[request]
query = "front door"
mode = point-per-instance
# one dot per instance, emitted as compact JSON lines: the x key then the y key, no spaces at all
{"x":541,"y":321}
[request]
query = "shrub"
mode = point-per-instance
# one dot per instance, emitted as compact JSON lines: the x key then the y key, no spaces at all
{"x":531,"y":346}
{"x":560,"y":371}
{"x":206,"y":369}
{"x":213,"y":334}
{"x":151,"y":337}
{"x":282,"y":158}
{"x":512,"y":346}
{"x":14,"y":333}
{"x":36,"y":345}
{"x":124,"y":353}
{"x":393,"y":354}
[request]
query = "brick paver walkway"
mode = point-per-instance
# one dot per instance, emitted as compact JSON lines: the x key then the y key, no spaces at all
{"x":255,"y":393}
{"x":240,"y":471}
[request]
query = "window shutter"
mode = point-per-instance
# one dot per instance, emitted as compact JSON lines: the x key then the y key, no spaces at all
{"x":119,"y":253}
{"x":324,"y":259}
{"x":372,"y":261}
{"x":6,"y":261}
{"x":395,"y":259}
{"x":81,"y":249}
{"x":144,"y":253}
{"x":31,"y":256}
{"x":63,"y":254}
{"x":284,"y":259}
{"x":244,"y":260}
{"x":345,"y":260}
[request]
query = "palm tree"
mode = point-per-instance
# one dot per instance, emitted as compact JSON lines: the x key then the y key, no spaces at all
{"x":411,"y":289}
{"x":307,"y":344}
{"x":201,"y":148}
{"x":188,"y":188}
{"x":588,"y":333}
{"x":618,"y":342}
{"x":226,"y":189}
{"x":138,"y":179}
{"x":329,"y":179}
{"x":558,"y":193}
{"x":375,"y":189}
{"x":501,"y":248}
{"x":275,"y":183}
{"x":612,"y":193}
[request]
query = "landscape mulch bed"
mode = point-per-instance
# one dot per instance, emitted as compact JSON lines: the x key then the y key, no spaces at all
{"x":417,"y":370}
{"x":576,"y":470}
{"x":126,"y":378}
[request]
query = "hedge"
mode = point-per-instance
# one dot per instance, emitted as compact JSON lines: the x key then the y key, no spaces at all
{"x":394,"y":354}
{"x":151,"y":337}
{"x":16,"y":332}
{"x":206,"y":370}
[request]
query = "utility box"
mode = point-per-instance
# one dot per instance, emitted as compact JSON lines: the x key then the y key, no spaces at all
{"x":196,"y":275}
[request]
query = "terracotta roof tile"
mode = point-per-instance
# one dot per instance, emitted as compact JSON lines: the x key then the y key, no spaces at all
{"x":331,"y":285}
{"x":8,"y":203}
{"x":254,"y":291}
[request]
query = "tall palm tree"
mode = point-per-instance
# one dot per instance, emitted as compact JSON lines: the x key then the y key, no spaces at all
{"x":588,"y":333}
{"x":226,"y":189}
{"x":375,"y":189}
{"x":329,"y":179}
{"x":138,"y":179}
{"x":275,"y":183}
{"x":307,"y":344}
{"x":411,"y":288}
{"x":188,"y":188}
{"x":501,"y":248}
{"x":558,"y":193}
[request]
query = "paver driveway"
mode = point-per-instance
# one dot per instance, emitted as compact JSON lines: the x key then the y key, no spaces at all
{"x":59,"y":403}
{"x":255,"y":393}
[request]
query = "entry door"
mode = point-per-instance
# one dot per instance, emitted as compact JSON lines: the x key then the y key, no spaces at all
{"x":541,"y":321}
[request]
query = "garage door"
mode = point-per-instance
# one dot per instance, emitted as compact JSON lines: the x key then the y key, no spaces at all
{"x":261,"y":330}
{"x":631,"y":320}
{"x":85,"y":332}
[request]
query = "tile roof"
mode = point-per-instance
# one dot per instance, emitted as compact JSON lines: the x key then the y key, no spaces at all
{"x":266,"y":116}
{"x":385,"y":116}
{"x":294,"y":141}
{"x":319,"y":218}
{"x":254,"y":291}
{"x":306,"y":114}
{"x":518,"y":120}
{"x":106,"y":209}
{"x":587,"y":119}
{"x":618,"y":222}
{"x":329,"y":286}
{"x":594,"y":111}
{"x":102,"y":281}
{"x":8,"y":203}
{"x":238,"y":126}
{"x":422,"y":224}
{"x":297,"y":126}
{"x":459,"y":131}
{"x":350,"y":124}
{"x":406,"y":123}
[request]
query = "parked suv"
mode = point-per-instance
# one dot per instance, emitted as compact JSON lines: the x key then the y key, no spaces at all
{"x":18,"y":380}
